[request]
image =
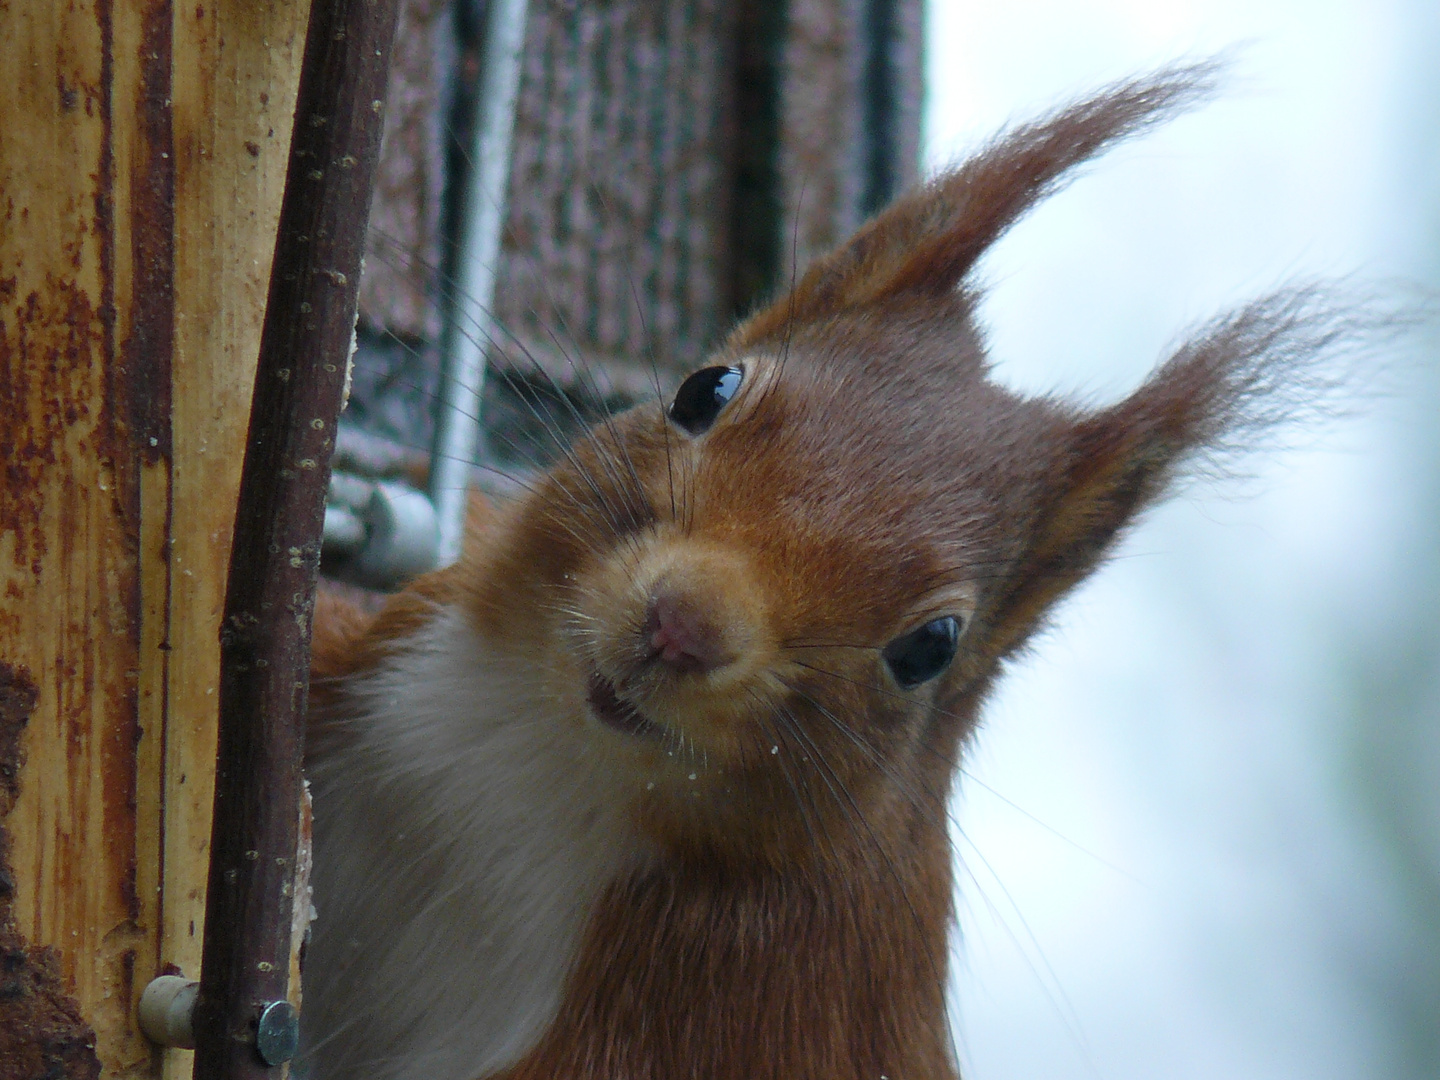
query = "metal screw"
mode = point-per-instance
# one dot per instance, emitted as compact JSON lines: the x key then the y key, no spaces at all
{"x":277,"y":1036}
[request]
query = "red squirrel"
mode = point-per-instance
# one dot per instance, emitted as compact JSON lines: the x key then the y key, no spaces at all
{"x":653,"y":783}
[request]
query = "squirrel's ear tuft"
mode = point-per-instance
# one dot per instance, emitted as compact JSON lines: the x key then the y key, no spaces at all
{"x":929,"y":239}
{"x":1241,"y":381}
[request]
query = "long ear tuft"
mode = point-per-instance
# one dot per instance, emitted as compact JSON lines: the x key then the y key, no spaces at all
{"x":927,"y":241}
{"x":1274,"y":365}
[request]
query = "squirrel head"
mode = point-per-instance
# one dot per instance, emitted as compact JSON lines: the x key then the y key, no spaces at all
{"x":779,"y":598}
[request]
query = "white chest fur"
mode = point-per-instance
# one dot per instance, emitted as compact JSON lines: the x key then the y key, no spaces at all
{"x":459,"y":843}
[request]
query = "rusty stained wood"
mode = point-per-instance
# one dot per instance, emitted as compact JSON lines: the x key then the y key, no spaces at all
{"x":141,"y":166}
{"x":69,"y":552}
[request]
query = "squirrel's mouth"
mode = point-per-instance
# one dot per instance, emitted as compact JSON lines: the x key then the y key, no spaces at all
{"x":614,"y":711}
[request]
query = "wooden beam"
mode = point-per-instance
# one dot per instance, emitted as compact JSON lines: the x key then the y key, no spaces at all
{"x":234,"y":104}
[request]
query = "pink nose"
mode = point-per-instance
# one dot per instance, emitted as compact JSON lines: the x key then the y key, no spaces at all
{"x":683,"y":637}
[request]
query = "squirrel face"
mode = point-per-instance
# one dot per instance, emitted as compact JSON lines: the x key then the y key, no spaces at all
{"x":778,"y":598}
{"x":763,"y":608}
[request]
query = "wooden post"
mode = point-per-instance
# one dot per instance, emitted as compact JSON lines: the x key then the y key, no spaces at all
{"x":142,"y":159}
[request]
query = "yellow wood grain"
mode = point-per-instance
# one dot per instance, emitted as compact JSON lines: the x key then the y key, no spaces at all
{"x":68,"y":553}
{"x":113,"y":555}
{"x":233,"y":103}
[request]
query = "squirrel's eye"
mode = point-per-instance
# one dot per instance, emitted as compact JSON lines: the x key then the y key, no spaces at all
{"x":701,"y":397}
{"x":922,"y":654}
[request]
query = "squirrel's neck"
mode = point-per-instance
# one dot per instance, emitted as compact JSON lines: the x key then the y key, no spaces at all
{"x":768,"y":975}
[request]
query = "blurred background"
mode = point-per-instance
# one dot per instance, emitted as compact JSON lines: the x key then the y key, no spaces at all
{"x":1200,"y":834}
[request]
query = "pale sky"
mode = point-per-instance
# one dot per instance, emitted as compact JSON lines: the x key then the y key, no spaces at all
{"x":1182,"y":726}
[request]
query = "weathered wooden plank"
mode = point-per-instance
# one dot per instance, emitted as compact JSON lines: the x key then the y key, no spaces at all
{"x":234,"y":102}
{"x":71,"y":496}
{"x":141,"y":164}
{"x":234,"y":97}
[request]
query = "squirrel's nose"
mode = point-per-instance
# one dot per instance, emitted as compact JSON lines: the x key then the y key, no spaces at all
{"x":681,"y":635}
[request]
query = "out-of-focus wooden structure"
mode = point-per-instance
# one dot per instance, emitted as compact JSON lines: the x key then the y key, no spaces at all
{"x":674,"y":163}
{"x":142,"y":161}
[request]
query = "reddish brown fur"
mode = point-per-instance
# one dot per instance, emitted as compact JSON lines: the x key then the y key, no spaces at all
{"x":866,"y":479}
{"x":926,"y":241}
{"x":701,"y":971}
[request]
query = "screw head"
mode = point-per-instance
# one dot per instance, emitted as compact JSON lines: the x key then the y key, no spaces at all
{"x":277,"y":1036}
